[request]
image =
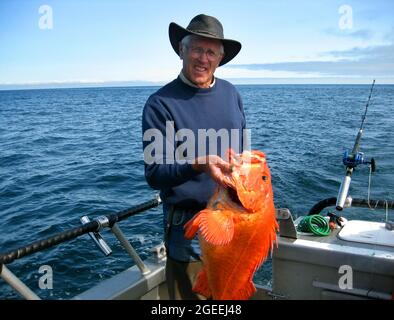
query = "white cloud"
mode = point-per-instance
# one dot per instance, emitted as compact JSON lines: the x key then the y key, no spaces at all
{"x":235,"y":71}
{"x":375,"y":61}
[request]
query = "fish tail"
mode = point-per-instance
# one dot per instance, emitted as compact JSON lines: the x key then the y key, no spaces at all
{"x":201,"y":286}
{"x":245,"y":292}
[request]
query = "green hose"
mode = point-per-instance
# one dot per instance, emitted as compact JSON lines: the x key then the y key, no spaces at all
{"x":316,"y":224}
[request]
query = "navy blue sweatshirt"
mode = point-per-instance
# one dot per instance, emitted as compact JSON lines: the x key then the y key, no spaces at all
{"x":219,"y":107}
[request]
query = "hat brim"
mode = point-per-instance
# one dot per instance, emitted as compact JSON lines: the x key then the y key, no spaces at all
{"x":177,"y":33}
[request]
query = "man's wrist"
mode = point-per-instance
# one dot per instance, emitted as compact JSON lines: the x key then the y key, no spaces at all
{"x":197,"y":167}
{"x":200,"y":164}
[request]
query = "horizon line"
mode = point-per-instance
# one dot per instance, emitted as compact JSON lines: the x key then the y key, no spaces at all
{"x":234,"y":81}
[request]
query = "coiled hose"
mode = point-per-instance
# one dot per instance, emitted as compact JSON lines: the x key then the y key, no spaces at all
{"x":316,"y":224}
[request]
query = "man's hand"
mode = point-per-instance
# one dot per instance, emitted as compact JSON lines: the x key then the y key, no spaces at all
{"x":216,"y":167}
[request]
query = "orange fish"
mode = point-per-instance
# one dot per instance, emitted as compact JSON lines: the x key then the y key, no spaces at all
{"x":237,"y":230}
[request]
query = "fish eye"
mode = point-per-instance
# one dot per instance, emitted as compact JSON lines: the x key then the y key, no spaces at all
{"x":264,"y":178}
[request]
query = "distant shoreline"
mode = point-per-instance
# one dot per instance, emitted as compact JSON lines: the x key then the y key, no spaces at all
{"x":235,"y":81}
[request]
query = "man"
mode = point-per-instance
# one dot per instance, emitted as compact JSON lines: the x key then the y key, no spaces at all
{"x":194,"y":103}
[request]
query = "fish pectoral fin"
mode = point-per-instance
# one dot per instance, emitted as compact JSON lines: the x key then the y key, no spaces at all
{"x":192,"y":226}
{"x":217,"y":227}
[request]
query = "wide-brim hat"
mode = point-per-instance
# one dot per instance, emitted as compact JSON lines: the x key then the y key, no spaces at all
{"x":208,"y":27}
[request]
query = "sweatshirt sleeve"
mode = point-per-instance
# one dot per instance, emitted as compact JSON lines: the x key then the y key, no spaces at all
{"x":241,"y":108}
{"x":244,"y":140}
{"x":160,"y":174}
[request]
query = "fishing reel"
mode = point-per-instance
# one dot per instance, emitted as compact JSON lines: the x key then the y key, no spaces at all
{"x":352,"y":160}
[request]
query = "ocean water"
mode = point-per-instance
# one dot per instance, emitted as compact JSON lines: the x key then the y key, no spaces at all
{"x":65,"y":153}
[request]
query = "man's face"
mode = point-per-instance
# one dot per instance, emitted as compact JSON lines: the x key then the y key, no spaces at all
{"x":200,"y":60}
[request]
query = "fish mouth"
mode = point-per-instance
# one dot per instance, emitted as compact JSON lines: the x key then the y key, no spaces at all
{"x":232,"y":193}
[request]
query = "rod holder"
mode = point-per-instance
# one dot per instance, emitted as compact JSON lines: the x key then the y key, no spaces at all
{"x":96,"y":236}
{"x":130,"y":250}
{"x":343,"y":192}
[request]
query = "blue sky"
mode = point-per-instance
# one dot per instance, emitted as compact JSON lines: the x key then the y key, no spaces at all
{"x":114,"y":41}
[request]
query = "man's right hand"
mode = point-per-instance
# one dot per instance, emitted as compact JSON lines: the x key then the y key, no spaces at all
{"x":216,"y":167}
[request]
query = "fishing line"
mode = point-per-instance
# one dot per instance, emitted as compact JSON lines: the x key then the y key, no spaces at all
{"x":387,"y":210}
{"x":369,"y":189}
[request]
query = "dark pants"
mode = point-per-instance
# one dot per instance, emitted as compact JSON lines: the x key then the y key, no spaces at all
{"x":180,"y":278}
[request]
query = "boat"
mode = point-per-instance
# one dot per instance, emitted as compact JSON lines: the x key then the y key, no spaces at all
{"x":355,"y":261}
{"x":352,"y":259}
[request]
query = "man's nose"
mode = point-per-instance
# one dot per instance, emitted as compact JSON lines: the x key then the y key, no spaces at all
{"x":203,"y":57}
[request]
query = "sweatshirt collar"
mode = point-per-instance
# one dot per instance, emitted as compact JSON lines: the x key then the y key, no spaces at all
{"x":191,"y":84}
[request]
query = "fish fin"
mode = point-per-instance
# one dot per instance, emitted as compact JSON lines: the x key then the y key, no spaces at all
{"x":191,"y":227}
{"x":201,"y":285}
{"x":217,"y":227}
{"x":246,"y":292}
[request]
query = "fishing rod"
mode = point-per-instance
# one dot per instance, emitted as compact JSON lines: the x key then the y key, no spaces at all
{"x":353,"y":159}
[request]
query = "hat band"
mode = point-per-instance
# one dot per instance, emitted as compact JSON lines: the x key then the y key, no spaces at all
{"x":207,"y":32}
